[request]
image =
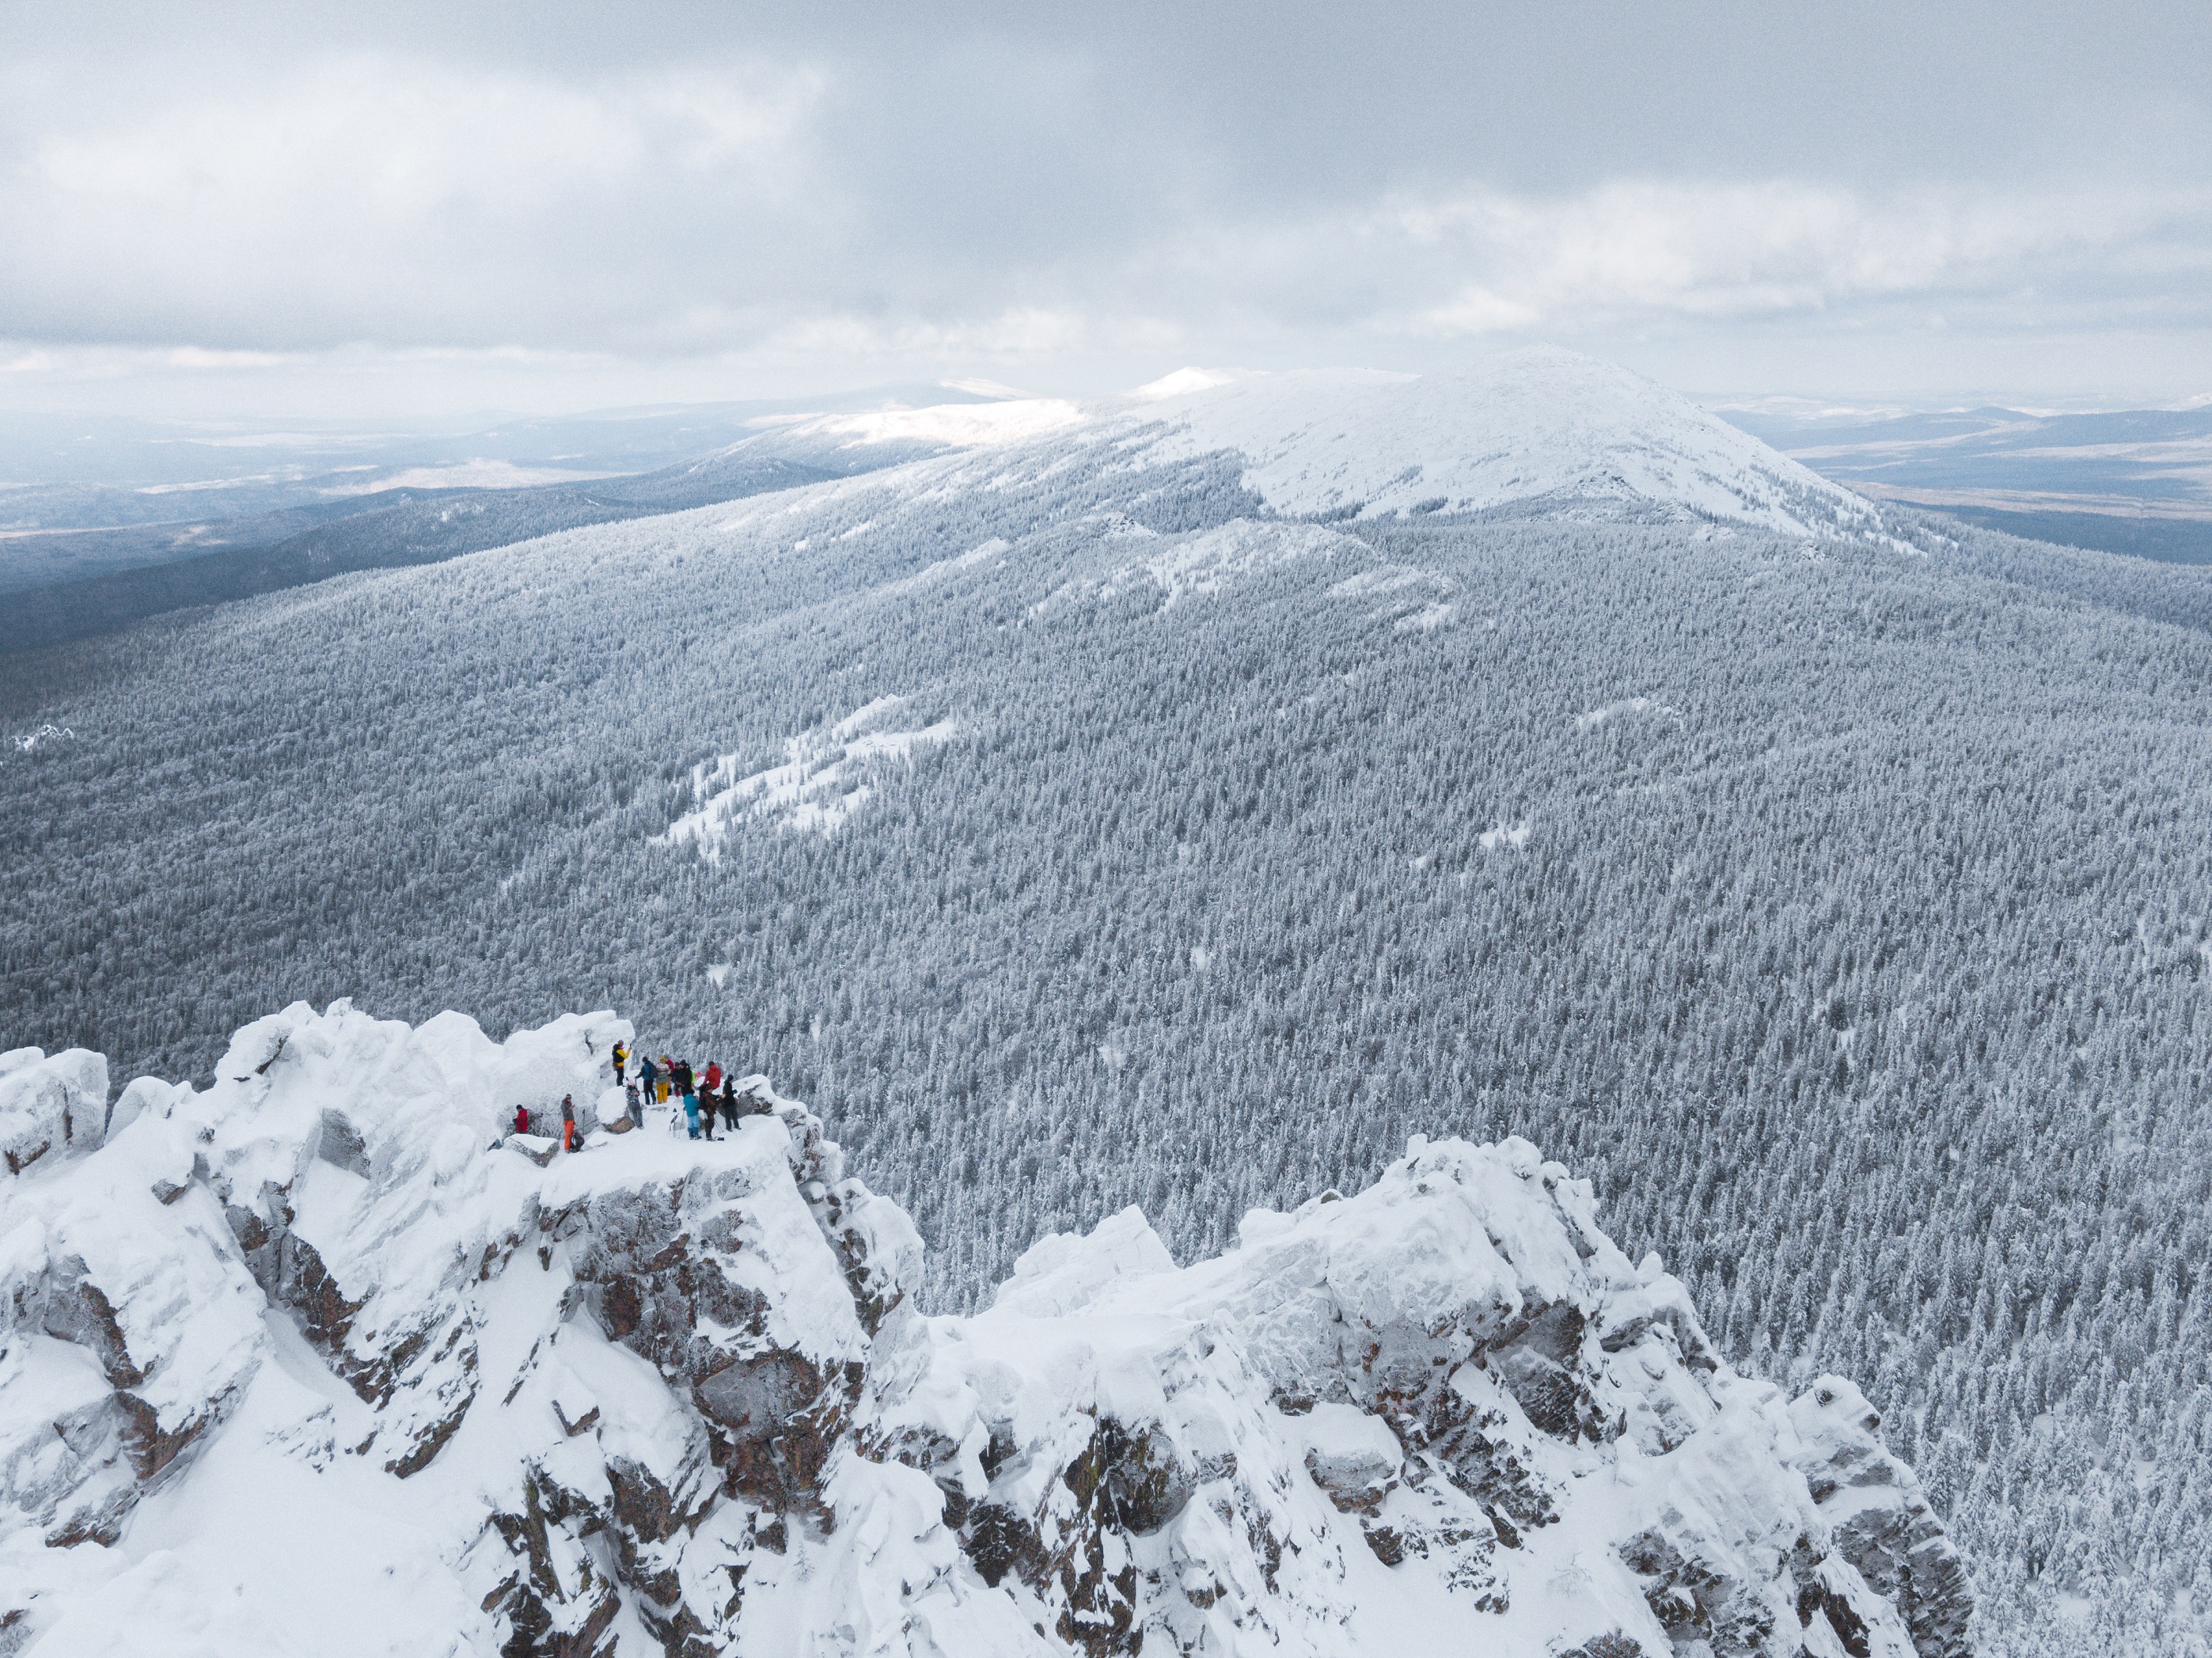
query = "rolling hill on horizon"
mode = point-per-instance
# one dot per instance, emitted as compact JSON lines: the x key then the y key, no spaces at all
{"x":2137,"y":481}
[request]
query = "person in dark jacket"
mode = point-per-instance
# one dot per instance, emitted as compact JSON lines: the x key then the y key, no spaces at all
{"x":647,"y":1072}
{"x":568,"y":1123}
{"x":706,"y":1101}
{"x":730,"y":1104}
{"x":621,"y":1057}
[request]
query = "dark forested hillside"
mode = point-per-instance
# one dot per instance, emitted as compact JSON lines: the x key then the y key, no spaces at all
{"x":1840,"y":909}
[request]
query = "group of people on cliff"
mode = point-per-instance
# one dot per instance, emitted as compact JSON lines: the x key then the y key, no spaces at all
{"x":703,"y":1094}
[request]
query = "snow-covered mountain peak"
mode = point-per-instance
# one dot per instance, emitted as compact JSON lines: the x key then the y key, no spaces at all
{"x":1542,"y":429}
{"x":327,"y":1359}
{"x":1541,"y":425}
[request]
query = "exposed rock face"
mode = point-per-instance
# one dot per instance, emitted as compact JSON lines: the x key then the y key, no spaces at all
{"x":320,"y":1359}
{"x":1882,"y":1525}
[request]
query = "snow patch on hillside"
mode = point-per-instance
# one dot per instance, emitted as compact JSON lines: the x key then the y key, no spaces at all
{"x":1592,"y":718}
{"x":1207,"y":564}
{"x":1427,"y":619}
{"x":1211,"y":561}
{"x":825,"y":779}
{"x":1417,"y":601}
{"x":989,"y":552}
{"x":31,"y":741}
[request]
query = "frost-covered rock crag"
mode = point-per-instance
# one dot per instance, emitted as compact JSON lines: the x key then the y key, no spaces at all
{"x":320,"y":1359}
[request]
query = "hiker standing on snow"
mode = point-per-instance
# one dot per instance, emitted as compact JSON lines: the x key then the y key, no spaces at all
{"x":522,"y":1119}
{"x":730,"y":1104}
{"x":568,"y":1123}
{"x":621,"y":1057}
{"x":691,"y":1113}
{"x":646,"y":1071}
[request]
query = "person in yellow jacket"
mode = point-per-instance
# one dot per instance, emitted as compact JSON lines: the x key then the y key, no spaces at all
{"x":621,"y":1057}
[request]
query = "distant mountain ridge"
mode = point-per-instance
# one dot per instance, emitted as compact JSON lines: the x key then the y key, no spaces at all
{"x":2134,"y":481}
{"x":1544,"y":430}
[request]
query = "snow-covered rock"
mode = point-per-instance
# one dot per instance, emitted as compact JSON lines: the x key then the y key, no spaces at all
{"x":322,"y":1359}
{"x":54,"y":1107}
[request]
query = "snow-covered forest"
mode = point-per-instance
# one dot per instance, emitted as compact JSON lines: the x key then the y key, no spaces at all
{"x":1836,"y":902}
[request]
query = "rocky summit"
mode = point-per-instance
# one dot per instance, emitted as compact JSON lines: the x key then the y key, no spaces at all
{"x":321,"y":1359}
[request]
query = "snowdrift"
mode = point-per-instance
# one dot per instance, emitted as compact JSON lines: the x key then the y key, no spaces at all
{"x":319,"y":1360}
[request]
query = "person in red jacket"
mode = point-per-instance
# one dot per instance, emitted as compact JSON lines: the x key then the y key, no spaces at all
{"x":522,"y":1119}
{"x":713,"y":1077}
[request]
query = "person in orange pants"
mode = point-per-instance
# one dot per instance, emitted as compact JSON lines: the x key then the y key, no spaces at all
{"x":567,"y":1122}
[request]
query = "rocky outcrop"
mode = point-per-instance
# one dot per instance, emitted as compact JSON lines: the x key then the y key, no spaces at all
{"x":1455,"y":1372}
{"x":1881,"y":1523}
{"x":672,"y":1396}
{"x":50,"y":1108}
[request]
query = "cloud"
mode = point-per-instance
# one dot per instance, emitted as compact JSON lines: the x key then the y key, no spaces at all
{"x":405,"y":204}
{"x":387,"y":189}
{"x":1722,"y":250}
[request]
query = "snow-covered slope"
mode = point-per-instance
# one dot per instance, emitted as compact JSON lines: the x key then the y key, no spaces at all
{"x":1542,"y":426}
{"x":317,"y":1360}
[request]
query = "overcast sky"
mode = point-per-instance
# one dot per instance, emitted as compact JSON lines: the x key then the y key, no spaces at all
{"x":390,"y":207}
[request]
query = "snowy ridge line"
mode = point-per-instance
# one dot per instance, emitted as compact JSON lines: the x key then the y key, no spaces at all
{"x":1543,"y":429}
{"x":317,"y":1360}
{"x":1551,"y":429}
